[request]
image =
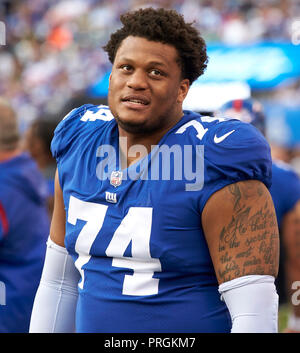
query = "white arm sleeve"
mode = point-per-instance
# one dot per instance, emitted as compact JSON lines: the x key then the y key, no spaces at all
{"x":252,"y":302}
{"x":56,"y":298}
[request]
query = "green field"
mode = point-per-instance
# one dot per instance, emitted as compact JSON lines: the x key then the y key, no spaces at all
{"x":283,"y":317}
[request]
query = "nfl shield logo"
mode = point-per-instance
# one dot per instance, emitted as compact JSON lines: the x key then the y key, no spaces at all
{"x":116,"y":178}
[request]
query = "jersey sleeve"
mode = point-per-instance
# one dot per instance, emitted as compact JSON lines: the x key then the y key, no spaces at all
{"x":67,"y":131}
{"x":234,"y":151}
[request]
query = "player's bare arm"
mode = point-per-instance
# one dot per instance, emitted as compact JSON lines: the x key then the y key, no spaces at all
{"x":57,"y":229}
{"x":240,"y":226}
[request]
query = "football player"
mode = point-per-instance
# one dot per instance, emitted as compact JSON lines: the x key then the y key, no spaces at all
{"x":183,"y":236}
{"x":285,"y":192}
{"x":24,"y":226}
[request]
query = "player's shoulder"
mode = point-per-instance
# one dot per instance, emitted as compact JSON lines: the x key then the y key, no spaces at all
{"x":85,"y":119}
{"x":221,"y":132}
{"x":85,"y":113}
{"x":232,"y":151}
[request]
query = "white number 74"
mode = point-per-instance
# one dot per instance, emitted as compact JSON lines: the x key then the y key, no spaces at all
{"x":135,"y":228}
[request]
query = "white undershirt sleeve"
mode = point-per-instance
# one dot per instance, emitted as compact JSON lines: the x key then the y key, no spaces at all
{"x":56,"y":298}
{"x":252,"y":302}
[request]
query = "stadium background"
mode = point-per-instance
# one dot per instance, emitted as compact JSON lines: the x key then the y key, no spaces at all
{"x":52,"y":60}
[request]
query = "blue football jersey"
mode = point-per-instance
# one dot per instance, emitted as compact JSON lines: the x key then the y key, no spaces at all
{"x":285,"y":189}
{"x":24,"y":229}
{"x":135,"y":234}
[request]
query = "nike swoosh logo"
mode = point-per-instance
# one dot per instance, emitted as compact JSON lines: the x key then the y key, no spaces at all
{"x":223,"y":137}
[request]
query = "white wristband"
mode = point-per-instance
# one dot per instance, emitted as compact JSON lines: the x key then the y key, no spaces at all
{"x":252,"y":302}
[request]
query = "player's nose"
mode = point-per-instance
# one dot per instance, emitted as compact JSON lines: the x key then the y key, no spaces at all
{"x":137,"y":80}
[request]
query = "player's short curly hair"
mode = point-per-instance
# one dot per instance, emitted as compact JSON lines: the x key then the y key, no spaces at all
{"x":168,"y":27}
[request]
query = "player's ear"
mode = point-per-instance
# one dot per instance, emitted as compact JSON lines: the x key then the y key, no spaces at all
{"x":183,"y":90}
{"x":109,"y":80}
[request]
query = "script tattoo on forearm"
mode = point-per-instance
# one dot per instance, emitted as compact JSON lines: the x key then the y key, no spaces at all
{"x":248,"y":244}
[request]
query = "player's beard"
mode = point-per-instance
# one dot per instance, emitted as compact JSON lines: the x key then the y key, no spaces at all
{"x":139,"y":128}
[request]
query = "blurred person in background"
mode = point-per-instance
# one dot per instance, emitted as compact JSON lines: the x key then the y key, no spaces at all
{"x":24,"y":225}
{"x":37,"y":140}
{"x":285,"y":191}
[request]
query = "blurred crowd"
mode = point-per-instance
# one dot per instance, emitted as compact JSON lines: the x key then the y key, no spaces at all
{"x":53,"y":48}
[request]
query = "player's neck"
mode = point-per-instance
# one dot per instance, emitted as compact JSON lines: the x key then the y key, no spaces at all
{"x":133,"y":149}
{"x":137,"y":146}
{"x":7,"y":155}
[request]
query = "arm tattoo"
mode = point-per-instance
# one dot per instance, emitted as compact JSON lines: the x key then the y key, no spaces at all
{"x":235,"y":192}
{"x":248,"y":244}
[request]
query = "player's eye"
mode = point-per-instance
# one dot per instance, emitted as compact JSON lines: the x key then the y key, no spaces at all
{"x":155,"y":73}
{"x":126,"y":68}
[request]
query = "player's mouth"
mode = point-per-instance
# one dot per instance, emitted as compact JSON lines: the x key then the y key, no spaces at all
{"x":136,"y":101}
